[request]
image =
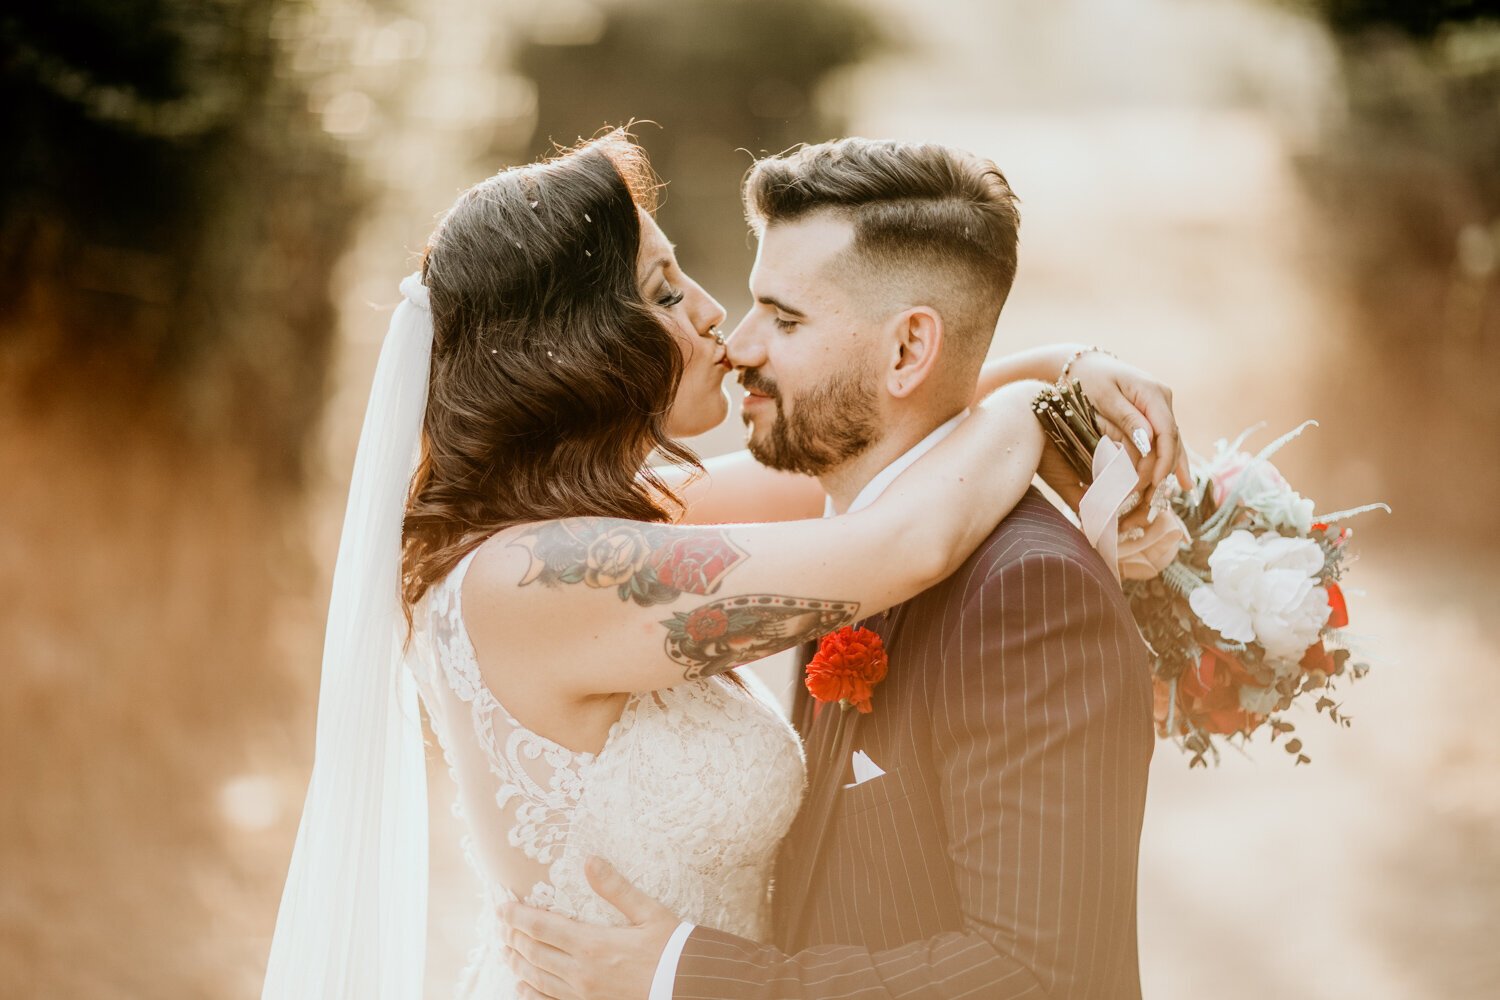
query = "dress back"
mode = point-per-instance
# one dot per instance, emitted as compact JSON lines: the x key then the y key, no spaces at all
{"x":688,"y":798}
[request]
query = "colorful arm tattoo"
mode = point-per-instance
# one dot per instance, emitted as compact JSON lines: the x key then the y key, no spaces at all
{"x":737,"y":630}
{"x":651,"y":565}
{"x":644,"y":563}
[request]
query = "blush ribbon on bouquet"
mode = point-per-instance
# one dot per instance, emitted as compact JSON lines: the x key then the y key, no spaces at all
{"x":1099,"y":511}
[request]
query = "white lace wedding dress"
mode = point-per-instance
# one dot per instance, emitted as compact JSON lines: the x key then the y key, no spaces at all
{"x":689,"y":797}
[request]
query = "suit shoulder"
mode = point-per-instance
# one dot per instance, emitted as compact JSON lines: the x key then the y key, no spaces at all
{"x":1034,"y":532}
{"x":1033,"y":536}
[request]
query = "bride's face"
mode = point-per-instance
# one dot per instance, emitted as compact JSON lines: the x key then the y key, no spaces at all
{"x":694,"y":317}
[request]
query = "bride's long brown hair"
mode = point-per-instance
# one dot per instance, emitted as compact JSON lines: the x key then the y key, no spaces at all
{"x":552,"y":376}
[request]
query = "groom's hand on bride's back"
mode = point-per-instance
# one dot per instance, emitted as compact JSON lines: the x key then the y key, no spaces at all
{"x":561,"y":959}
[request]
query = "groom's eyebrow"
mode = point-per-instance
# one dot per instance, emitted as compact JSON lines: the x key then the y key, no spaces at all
{"x":775,"y":303}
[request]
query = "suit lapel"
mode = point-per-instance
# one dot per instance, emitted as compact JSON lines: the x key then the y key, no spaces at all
{"x":827,"y":761}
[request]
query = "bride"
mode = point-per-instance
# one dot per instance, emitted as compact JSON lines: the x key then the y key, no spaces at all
{"x":570,"y":617}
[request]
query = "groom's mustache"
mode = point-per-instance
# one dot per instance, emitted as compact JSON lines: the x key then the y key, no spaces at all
{"x":755,"y":381}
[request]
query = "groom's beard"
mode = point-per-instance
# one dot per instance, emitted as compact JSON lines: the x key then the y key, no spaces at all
{"x":829,"y":425}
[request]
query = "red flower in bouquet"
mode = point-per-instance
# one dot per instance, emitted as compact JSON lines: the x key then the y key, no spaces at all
{"x":1210,"y":693}
{"x":1317,"y":659}
{"x":1340,"y":611}
{"x":848,"y":665}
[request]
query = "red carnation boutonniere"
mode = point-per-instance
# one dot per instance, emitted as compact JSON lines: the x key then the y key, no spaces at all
{"x":848,"y":665}
{"x":850,"y":662}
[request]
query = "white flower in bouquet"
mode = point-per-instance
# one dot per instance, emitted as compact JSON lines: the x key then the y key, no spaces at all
{"x":1264,"y":589}
{"x":1283,"y":509}
{"x":1261,"y":487}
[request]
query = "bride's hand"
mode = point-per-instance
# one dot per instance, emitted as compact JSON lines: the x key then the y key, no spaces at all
{"x":1138,"y":411}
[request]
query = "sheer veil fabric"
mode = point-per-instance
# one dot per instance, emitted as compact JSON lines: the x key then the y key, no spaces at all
{"x":353,"y":916}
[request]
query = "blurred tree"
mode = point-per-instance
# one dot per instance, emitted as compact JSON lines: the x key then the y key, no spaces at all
{"x":169,"y":216}
{"x":1418,"y":18}
{"x":1407,"y":175}
{"x":723,"y":81}
{"x":1412,"y":170}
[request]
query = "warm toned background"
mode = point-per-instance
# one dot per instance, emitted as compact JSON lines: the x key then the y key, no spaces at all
{"x":1285,"y":209}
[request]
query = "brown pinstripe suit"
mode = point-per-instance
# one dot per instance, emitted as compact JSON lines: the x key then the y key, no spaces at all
{"x":997,"y":856}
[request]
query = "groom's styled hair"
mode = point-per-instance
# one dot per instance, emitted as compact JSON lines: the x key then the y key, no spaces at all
{"x":931,"y":222}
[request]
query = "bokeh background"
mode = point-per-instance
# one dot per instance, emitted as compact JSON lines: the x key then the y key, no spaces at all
{"x":1284,"y":208}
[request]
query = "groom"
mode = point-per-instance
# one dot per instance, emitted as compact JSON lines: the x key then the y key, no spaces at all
{"x":985,"y":842}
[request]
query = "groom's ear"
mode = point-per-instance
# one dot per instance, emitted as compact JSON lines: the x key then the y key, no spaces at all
{"x":917,"y":342}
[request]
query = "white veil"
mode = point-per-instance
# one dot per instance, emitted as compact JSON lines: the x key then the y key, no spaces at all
{"x":353,"y":917}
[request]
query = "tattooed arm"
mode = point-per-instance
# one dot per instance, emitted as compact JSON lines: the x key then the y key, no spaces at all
{"x":657,"y":565}
{"x":737,"y":488}
{"x":594,"y":606}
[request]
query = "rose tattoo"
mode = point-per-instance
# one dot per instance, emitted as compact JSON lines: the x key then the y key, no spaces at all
{"x":644,"y":563}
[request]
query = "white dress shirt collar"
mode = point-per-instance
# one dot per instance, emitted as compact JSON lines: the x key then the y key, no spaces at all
{"x":886,"y":476}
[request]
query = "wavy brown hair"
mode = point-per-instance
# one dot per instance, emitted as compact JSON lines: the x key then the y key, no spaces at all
{"x":552,"y":376}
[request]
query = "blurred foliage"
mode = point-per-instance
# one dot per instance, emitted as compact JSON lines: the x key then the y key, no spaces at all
{"x":1418,"y":18}
{"x":169,"y":217}
{"x":722,"y":82}
{"x":1410,"y":175}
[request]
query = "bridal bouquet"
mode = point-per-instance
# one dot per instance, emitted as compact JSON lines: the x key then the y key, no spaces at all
{"x":1243,"y":612}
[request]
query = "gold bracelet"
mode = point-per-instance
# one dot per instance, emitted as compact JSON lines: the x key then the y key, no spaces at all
{"x":1067,"y":367}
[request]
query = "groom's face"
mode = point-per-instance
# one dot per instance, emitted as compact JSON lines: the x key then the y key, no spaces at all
{"x":807,"y":351}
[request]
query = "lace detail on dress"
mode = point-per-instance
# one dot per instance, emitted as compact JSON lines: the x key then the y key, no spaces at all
{"x":689,"y":796}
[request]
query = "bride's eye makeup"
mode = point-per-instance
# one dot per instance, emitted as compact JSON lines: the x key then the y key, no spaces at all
{"x":669,"y":296}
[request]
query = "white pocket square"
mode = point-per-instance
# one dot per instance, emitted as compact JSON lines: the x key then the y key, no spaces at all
{"x":865,"y":769}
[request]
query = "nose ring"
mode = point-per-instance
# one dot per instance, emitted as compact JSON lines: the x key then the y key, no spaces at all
{"x":718,"y":336}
